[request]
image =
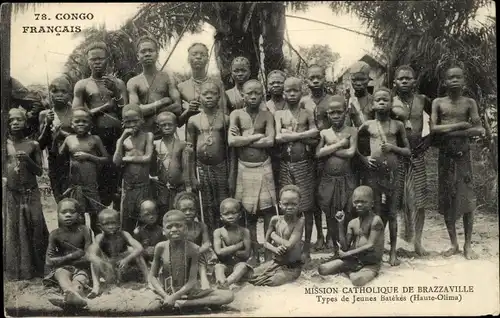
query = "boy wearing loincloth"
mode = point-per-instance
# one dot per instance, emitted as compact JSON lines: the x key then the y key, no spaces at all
{"x":251,"y":132}
{"x":148,"y":233}
{"x":25,"y":230}
{"x":153,"y":90}
{"x":190,"y":90}
{"x":207,"y":133}
{"x":171,"y":164}
{"x":65,"y":263}
{"x":283,"y":239}
{"x":337,"y":181}
{"x":86,"y":153}
{"x":362,"y":246}
{"x":386,"y":136}
{"x":232,"y":245}
{"x":112,"y":251}
{"x":196,"y":232}
{"x":55,"y":126}
{"x":296,"y":132}
{"x":409,"y":107}
{"x":178,"y":258}
{"x":454,"y":119}
{"x":134,"y":150}
{"x":103,"y":95}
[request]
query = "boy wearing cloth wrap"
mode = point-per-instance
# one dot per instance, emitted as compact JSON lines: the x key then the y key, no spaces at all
{"x":207,"y":133}
{"x":25,"y":230}
{"x":454,"y":119}
{"x":134,"y":150}
{"x":251,"y":132}
{"x":412,"y":109}
{"x":283,"y":239}
{"x":178,"y":258}
{"x":337,"y":181}
{"x":86,"y":153}
{"x":386,"y":136}
{"x":296,"y":131}
{"x":363,"y":244}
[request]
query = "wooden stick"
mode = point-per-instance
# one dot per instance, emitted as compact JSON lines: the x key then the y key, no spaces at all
{"x":199,"y":195}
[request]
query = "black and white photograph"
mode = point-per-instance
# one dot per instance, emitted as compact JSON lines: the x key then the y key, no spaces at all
{"x":228,"y":159}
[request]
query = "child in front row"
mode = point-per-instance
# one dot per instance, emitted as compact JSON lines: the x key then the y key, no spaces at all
{"x":148,"y":233}
{"x":232,"y":244}
{"x":362,"y":245}
{"x":283,"y":239}
{"x":178,"y":259}
{"x":112,"y":251}
{"x":65,"y":263}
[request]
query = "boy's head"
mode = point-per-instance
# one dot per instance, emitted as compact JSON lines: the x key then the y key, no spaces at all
{"x":68,"y":212}
{"x":60,"y":91}
{"x":148,"y":213}
{"x":132,"y":117}
{"x":167,"y":122}
{"x":17,"y":119}
{"x":240,"y":69}
{"x":336,"y":110}
{"x":209,"y":94}
{"x":293,"y":90}
{"x":109,"y":221}
{"x":404,"y":79}
{"x":230,"y":211}
{"x":276,"y":82}
{"x":174,"y":225}
{"x":316,"y":77}
{"x":186,"y":203}
{"x":81,"y":121}
{"x":253,"y":93}
{"x":360,"y":76}
{"x":290,"y":199}
{"x":97,"y":57}
{"x":147,"y":50}
{"x":382,"y":100}
{"x":454,"y":78}
{"x":362,"y":199}
{"x":198,"y":55}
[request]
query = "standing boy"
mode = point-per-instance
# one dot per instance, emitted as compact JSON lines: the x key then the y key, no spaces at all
{"x":454,"y":119}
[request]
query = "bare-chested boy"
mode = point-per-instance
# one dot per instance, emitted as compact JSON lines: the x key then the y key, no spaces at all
{"x":134,"y":150}
{"x":388,"y":142}
{"x":86,"y":153}
{"x":207,"y":133}
{"x":103,"y":95}
{"x":190,"y":90}
{"x":454,"y":119}
{"x":337,"y":146}
{"x":171,"y":164}
{"x":283,"y":239}
{"x":112,"y":251}
{"x":251,"y":132}
{"x":65,"y":263}
{"x":25,"y":230}
{"x":55,"y":126}
{"x":297,"y":133}
{"x":362,"y":245}
{"x":148,"y":233}
{"x":152,"y":90}
{"x":178,"y":258}
{"x":410,"y":107}
{"x":232,"y":245}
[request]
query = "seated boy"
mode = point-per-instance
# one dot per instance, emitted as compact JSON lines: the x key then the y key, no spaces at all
{"x":112,"y":251}
{"x":178,"y":259}
{"x":364,"y":242}
{"x":65,"y":263}
{"x":148,"y":233}
{"x":283,"y":239}
{"x":232,"y":245}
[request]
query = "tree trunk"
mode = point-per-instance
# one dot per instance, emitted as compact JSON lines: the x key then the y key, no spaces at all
{"x":273,"y":32}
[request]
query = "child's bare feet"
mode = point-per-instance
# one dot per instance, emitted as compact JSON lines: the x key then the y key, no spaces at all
{"x":420,"y":251}
{"x":451,"y":251}
{"x":393,"y":260}
{"x":320,"y":244}
{"x":94,"y":293}
{"x":469,"y":253}
{"x":73,"y":299}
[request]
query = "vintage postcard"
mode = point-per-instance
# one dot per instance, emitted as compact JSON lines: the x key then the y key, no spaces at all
{"x":292,"y":158}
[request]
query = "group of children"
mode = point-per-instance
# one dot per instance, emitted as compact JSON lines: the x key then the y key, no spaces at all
{"x":191,"y":203}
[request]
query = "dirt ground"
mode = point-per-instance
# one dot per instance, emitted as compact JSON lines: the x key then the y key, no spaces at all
{"x":31,"y":298}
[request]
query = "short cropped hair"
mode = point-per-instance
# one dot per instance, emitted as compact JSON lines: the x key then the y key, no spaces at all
{"x":196,"y":44}
{"x":276,"y":72}
{"x":81,"y":109}
{"x":167,"y":114}
{"x":338,"y":99}
{"x":77,"y":204}
{"x":97,"y":45}
{"x":132,"y":107}
{"x":384,"y":89}
{"x":173,"y":213}
{"x":147,"y":38}
{"x":230,"y":200}
{"x":405,"y":68}
{"x":60,"y":81}
{"x":252,"y":81}
{"x":314,"y":65}
{"x":184,"y":195}
{"x":240,"y":59}
{"x":291,"y":187}
{"x":109,"y":212}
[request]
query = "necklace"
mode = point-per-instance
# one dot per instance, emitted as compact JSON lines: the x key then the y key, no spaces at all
{"x":409,"y":106}
{"x":197,"y":86}
{"x":209,"y":136}
{"x":97,"y":81}
{"x":178,"y":264}
{"x":168,"y":154}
